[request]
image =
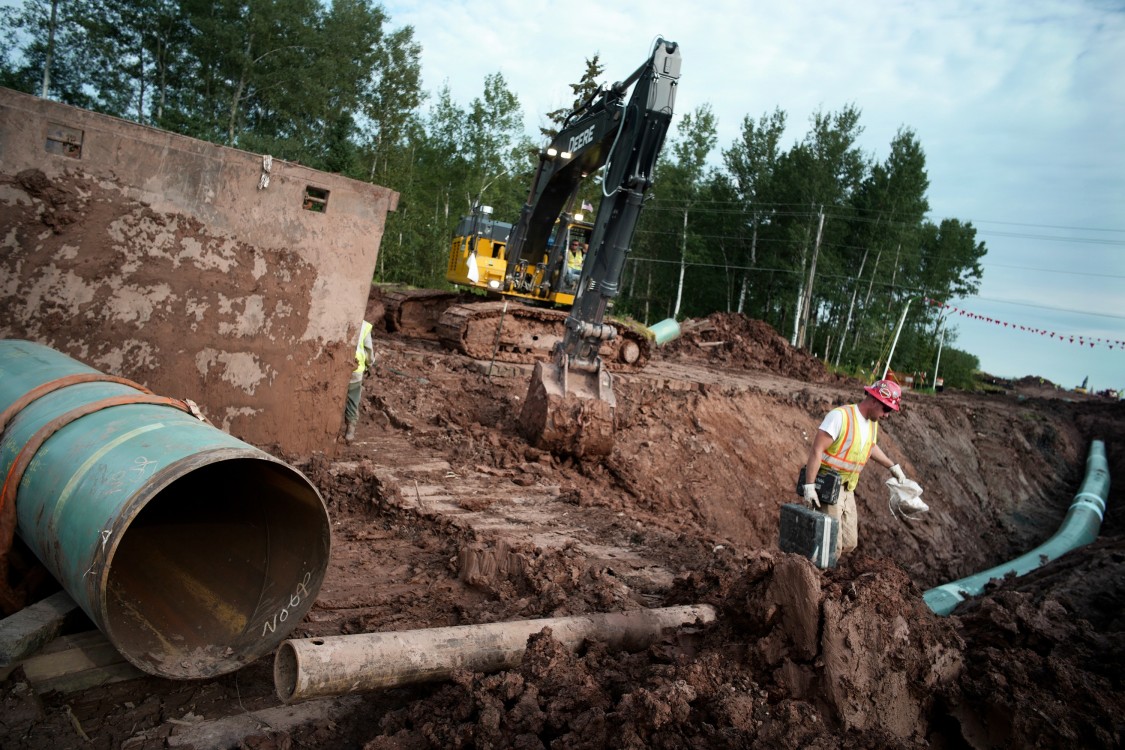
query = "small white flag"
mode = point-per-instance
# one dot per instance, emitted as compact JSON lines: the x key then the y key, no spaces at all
{"x":587,"y":206}
{"x":473,"y":272}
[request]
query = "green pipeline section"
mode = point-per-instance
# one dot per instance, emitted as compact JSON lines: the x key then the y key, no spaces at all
{"x":193,"y":552}
{"x":1079,"y":528}
{"x":665,"y":331}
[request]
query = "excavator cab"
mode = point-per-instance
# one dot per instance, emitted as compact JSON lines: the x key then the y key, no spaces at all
{"x":478,"y":258}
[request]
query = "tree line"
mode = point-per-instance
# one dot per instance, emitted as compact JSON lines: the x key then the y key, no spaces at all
{"x":828,"y":244}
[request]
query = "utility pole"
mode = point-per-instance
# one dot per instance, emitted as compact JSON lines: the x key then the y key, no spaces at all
{"x":50,"y":49}
{"x":806,"y":307}
{"x":851,"y":308}
{"x":683,"y":266}
{"x":898,"y":330}
{"x":746,"y":274}
{"x":867,"y":299}
{"x":938,"y":362}
{"x":797,"y":312}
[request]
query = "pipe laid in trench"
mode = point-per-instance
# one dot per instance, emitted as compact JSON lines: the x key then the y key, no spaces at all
{"x":192,"y":551}
{"x":1079,"y":528}
{"x":338,"y":665}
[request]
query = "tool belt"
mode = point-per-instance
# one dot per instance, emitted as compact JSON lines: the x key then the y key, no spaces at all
{"x":827,"y":485}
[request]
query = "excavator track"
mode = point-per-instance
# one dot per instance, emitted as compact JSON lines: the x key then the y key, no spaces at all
{"x":509,"y":331}
{"x":416,"y":312}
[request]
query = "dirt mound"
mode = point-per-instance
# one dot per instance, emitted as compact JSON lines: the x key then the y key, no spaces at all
{"x":798,"y":660}
{"x":733,"y":340}
{"x":1044,"y":656}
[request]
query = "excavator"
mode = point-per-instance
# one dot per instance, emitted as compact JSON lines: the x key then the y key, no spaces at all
{"x":517,"y":325}
{"x":570,"y":405}
{"x":499,"y":322}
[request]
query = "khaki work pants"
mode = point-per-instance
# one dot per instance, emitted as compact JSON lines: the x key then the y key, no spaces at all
{"x":844,"y":511}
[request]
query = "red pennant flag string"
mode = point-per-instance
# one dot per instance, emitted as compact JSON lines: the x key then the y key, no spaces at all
{"x":1092,"y":341}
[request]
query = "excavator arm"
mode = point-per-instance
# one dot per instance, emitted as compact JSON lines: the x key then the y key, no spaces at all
{"x":570,"y":405}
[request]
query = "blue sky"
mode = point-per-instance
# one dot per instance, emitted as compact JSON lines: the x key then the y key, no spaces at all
{"x":1020,"y":108}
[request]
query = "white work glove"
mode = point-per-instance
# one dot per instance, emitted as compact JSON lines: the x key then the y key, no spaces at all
{"x":810,"y":495}
{"x":896,"y":472}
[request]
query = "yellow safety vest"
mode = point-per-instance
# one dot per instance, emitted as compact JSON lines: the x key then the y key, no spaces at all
{"x":848,"y":453}
{"x":574,"y":260}
{"x":360,"y":349}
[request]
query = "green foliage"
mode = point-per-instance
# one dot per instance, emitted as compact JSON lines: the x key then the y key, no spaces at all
{"x":56,"y":57}
{"x":957,"y":368}
{"x":459,"y":157}
{"x":825,"y":243}
{"x":583,"y":91}
{"x":299,"y":79}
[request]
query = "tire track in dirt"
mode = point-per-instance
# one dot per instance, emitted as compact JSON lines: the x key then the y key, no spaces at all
{"x":505,"y":518}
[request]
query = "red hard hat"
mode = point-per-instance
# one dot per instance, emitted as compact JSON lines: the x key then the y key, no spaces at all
{"x":885,"y":391}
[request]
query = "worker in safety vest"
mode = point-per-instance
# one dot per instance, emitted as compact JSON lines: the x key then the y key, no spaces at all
{"x":364,"y":358}
{"x":575,"y":256}
{"x":844,"y":443}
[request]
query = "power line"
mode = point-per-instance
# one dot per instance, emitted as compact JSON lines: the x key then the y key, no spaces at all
{"x":842,"y":277}
{"x":1047,"y":307}
{"x":1051,"y":226}
{"x":1055,"y":270}
{"x":907,"y":252}
{"x":853,"y":214}
{"x":1054,"y":238}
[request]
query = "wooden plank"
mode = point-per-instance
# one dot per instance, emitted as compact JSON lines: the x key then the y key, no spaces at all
{"x":73,"y":641}
{"x":232,"y":730}
{"x":88,"y":678}
{"x":77,"y":662}
{"x":27,"y":631}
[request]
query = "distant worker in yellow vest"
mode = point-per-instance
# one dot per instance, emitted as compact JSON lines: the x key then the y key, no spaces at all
{"x":844,"y":442}
{"x":364,"y":358}
{"x":575,"y":256}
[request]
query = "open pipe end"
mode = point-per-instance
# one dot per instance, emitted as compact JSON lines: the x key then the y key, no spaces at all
{"x":285,"y":670}
{"x":216,"y":567}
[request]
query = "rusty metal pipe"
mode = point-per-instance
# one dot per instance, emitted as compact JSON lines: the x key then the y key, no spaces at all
{"x":338,"y":665}
{"x":192,"y":551}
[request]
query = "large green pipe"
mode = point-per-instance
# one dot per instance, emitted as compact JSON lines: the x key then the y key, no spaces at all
{"x":1079,"y":528}
{"x":193,"y":552}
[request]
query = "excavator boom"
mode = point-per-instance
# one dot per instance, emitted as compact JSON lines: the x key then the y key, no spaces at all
{"x":570,"y":406}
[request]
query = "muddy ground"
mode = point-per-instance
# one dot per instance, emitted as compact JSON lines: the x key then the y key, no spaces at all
{"x":443,"y":515}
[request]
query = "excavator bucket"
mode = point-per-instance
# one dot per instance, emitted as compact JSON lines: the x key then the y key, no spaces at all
{"x":569,"y":411}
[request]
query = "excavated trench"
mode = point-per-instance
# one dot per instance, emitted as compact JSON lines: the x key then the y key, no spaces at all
{"x":444,"y":516}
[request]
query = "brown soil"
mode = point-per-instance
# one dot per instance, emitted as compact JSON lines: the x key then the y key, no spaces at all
{"x":443,"y":515}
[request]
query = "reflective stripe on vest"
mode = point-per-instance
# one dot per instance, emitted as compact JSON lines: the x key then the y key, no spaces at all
{"x":360,"y":350}
{"x":848,"y":453}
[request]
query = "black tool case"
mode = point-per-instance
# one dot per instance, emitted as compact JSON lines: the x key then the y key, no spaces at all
{"x":809,"y":533}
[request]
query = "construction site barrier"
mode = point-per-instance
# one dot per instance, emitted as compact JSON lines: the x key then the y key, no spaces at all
{"x":192,"y":551}
{"x":1080,"y":527}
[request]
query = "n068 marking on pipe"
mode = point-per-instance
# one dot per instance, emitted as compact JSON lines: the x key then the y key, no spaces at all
{"x":270,"y":626}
